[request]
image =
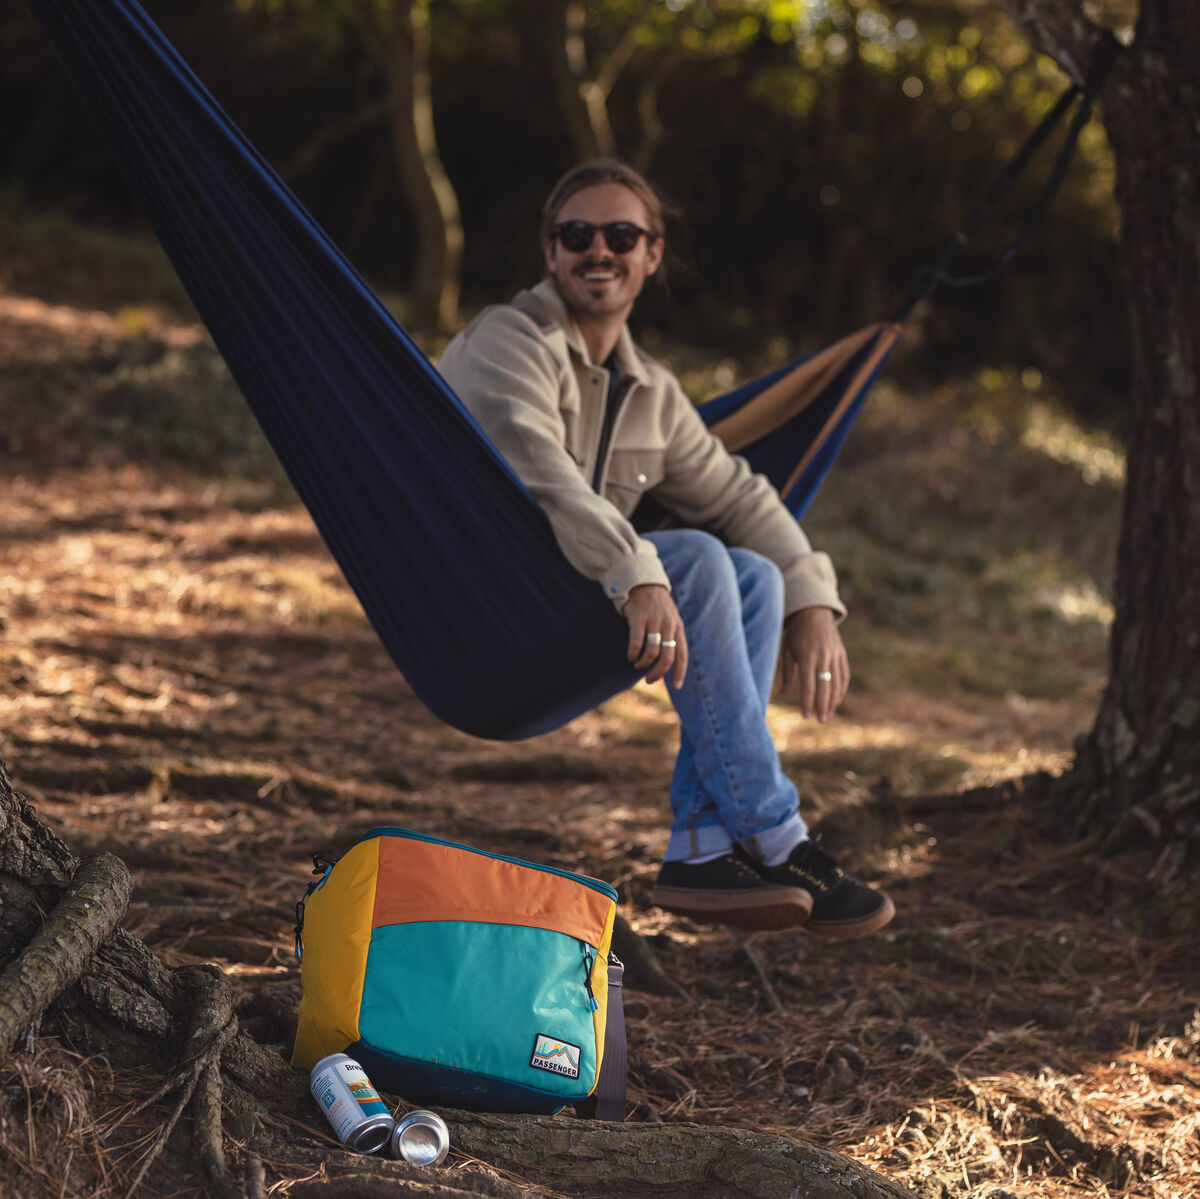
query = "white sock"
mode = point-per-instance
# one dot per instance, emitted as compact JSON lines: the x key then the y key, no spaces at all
{"x":784,"y":854}
{"x":705,"y":857}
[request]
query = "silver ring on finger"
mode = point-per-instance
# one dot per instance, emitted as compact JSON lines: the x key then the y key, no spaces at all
{"x":669,"y":644}
{"x":654,"y":639}
{"x":824,"y":676}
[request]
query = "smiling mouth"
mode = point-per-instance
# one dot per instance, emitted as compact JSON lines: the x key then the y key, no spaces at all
{"x":591,"y":272}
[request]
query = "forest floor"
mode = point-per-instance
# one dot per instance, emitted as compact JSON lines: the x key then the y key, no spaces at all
{"x":186,"y":680}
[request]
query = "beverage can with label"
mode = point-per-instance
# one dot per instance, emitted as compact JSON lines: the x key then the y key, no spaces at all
{"x":350,"y":1103}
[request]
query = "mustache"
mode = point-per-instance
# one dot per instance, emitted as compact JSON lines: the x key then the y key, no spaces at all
{"x":593,"y":264}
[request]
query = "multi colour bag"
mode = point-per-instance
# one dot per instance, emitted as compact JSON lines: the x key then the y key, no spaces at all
{"x":465,"y":978}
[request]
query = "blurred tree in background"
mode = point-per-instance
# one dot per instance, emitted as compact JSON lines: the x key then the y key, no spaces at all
{"x":819,"y":151}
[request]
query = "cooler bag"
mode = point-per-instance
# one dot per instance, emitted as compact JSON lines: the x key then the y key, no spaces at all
{"x":459,"y":977}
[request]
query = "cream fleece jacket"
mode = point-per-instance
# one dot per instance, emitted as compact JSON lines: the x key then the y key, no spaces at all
{"x":523,"y":371}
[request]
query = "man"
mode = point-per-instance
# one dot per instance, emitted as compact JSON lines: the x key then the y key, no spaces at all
{"x":591,"y":424}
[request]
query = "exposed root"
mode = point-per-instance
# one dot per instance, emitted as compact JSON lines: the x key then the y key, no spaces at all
{"x":208,"y":1133}
{"x":437,"y":1185}
{"x":256,"y":1177}
{"x":750,"y":949}
{"x":213,"y":1026}
{"x":642,"y":970}
{"x":61,"y":949}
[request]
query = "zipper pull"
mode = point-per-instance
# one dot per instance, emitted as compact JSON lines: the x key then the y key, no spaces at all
{"x":587,"y":978}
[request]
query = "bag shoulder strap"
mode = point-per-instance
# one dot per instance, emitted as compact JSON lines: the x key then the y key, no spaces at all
{"x":607,"y":1101}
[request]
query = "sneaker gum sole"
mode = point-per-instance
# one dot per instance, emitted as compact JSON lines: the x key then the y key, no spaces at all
{"x":849,"y":930}
{"x":785,"y":907}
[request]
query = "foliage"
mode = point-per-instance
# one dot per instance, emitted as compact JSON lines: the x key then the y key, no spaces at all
{"x":820,"y":151}
{"x":135,"y":400}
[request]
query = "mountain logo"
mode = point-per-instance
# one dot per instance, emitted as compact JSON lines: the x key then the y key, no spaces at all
{"x":559,"y":1057}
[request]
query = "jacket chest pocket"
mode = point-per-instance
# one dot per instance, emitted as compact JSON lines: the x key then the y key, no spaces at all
{"x":631,"y":473}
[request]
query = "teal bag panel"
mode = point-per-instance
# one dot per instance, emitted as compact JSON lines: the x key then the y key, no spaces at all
{"x":485,"y":998}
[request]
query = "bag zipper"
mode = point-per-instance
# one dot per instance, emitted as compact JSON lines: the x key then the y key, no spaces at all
{"x":322,"y":865}
{"x":589,"y":960}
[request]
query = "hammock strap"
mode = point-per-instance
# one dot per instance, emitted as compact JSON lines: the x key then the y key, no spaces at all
{"x":936,"y":273}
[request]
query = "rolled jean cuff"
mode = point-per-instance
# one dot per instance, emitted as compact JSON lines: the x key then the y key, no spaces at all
{"x":697,"y":842}
{"x":773,"y":842}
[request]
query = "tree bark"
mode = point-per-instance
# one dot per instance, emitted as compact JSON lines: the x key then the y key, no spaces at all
{"x":685,"y":1161}
{"x":136,"y":1014}
{"x":400,"y":45}
{"x":1146,"y":743}
{"x":587,"y":127}
{"x":1139,"y":769}
{"x":583,"y":94}
{"x":652,"y":132}
{"x":60,"y":951}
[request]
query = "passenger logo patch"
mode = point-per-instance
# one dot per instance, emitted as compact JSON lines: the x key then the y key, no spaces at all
{"x":559,"y":1057}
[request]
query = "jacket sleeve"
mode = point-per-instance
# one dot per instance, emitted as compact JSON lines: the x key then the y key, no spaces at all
{"x":510,"y":380}
{"x":710,"y":488}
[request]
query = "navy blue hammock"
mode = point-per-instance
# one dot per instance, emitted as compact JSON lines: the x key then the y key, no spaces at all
{"x":452,"y":559}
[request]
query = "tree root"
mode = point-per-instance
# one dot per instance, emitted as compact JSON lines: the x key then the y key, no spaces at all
{"x":256,"y":1177}
{"x":61,"y":949}
{"x":750,"y":949}
{"x":593,"y":1160}
{"x":642,"y":971}
{"x":213,"y":1026}
{"x":438,"y":1184}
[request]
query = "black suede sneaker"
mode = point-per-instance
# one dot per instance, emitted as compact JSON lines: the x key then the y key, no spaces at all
{"x":843,"y":908}
{"x":730,"y":890}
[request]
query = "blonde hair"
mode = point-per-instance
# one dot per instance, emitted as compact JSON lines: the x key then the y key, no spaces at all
{"x":594,"y":173}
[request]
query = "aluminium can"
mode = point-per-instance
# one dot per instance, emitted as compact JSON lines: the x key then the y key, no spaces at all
{"x":421,"y":1138}
{"x":350,"y":1103}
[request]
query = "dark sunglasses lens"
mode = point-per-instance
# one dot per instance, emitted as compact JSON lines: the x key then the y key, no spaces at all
{"x":576,"y":236}
{"x":621,"y":236}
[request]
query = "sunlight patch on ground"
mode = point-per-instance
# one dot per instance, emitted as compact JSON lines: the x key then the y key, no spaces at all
{"x":1096,"y":456}
{"x":27,"y":324}
{"x":940,"y":745}
{"x":1131,"y":1120}
{"x":1076,"y":603}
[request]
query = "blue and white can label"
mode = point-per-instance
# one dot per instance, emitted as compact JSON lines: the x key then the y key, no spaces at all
{"x":351,"y":1104}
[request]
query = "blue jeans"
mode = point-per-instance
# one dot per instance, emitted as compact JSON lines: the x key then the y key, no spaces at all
{"x":728,"y":786}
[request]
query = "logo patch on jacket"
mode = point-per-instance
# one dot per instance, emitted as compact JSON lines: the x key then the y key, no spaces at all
{"x":559,"y":1057}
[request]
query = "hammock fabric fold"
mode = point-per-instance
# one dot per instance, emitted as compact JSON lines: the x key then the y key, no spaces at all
{"x":453,"y":561}
{"x":790,"y":425}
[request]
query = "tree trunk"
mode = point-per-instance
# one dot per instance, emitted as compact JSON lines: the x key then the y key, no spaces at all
{"x":401,"y":48}
{"x":1139,"y":769}
{"x":583,"y":93}
{"x":651,"y":130}
{"x":1146,"y":743}
{"x":586,"y":123}
{"x":183,"y":1062}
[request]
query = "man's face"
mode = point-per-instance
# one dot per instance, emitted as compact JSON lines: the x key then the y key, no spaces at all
{"x":596,"y":282}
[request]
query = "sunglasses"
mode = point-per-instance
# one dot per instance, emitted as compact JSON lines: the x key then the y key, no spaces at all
{"x":619,"y":236}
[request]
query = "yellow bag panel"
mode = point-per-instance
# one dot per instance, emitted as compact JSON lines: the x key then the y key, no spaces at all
{"x":337,"y":927}
{"x":600,"y":987}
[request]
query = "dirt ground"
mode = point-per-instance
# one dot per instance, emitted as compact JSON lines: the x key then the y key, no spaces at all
{"x":186,"y":681}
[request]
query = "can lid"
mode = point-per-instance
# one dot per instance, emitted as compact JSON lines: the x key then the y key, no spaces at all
{"x":421,"y":1138}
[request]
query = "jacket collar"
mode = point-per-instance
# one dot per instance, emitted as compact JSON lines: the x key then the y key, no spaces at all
{"x":552,"y":314}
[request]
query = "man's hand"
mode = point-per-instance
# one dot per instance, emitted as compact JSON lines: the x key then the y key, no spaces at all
{"x":812,"y":649}
{"x":656,"y":636}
